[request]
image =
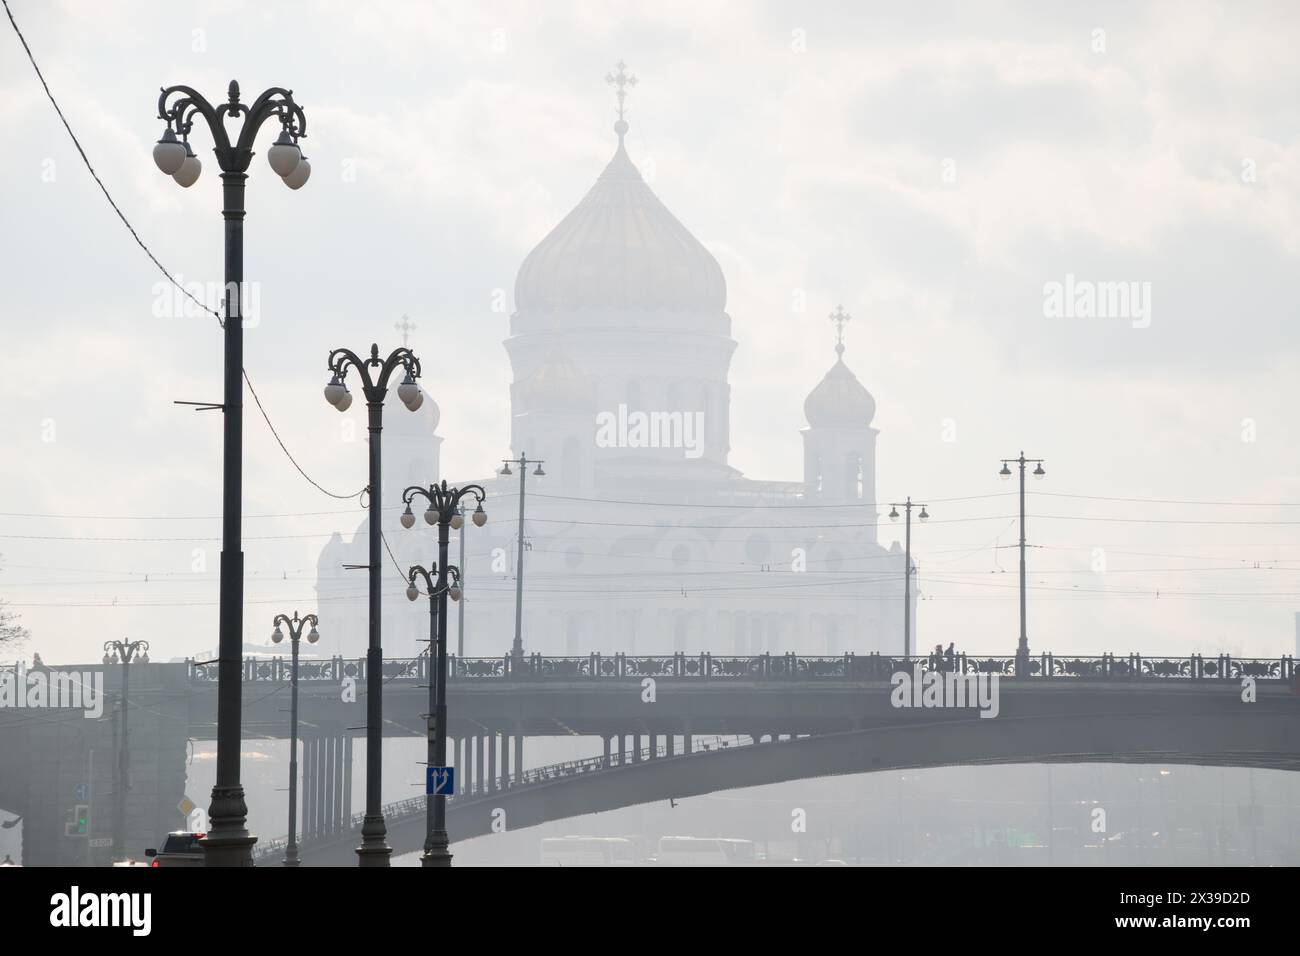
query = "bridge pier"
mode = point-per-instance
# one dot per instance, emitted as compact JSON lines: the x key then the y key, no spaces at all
{"x":478,"y":762}
{"x":504,"y":781}
{"x":519,"y":758}
{"x":326,"y":785}
{"x":606,"y":742}
{"x":492,"y":741}
{"x":308,"y":790}
{"x":622,"y":750}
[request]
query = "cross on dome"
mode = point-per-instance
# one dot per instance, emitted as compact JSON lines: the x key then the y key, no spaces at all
{"x":406,"y":327}
{"x":621,"y":81}
{"x":840,"y":318}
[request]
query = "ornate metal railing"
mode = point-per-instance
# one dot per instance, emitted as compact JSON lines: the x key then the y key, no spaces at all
{"x":768,"y":667}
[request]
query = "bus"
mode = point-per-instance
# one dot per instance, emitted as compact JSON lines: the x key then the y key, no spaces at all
{"x":704,"y":851}
{"x":587,"y":851}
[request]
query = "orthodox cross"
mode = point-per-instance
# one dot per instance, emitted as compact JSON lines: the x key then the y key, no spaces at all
{"x":406,"y":327}
{"x":840,"y":318}
{"x":621,"y":81}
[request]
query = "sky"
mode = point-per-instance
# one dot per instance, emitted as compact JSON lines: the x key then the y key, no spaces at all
{"x":934,"y":167}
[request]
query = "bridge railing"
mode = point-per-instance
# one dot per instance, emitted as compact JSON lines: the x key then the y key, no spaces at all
{"x":767,"y":667}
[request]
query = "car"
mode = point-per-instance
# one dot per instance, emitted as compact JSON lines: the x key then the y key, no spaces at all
{"x":129,"y":863}
{"x":181,"y":848}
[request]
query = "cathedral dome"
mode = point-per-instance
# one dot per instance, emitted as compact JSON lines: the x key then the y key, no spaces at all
{"x":620,"y":248}
{"x":839,"y":400}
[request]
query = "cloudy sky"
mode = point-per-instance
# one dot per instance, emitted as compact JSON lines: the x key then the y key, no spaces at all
{"x":931,"y":166}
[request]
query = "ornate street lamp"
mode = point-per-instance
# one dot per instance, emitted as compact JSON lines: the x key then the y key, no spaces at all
{"x":517,"y":649}
{"x":295,"y":625}
{"x":124,"y":652}
{"x":907,"y":567}
{"x":1022,"y":648}
{"x":228,"y":842}
{"x":374,"y":849}
{"x":444,"y":510}
{"x":435,"y":823}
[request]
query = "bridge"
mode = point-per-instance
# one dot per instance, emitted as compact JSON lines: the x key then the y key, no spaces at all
{"x":679,"y":726}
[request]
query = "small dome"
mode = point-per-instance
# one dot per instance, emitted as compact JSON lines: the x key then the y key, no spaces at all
{"x":839,"y":400}
{"x":620,"y":248}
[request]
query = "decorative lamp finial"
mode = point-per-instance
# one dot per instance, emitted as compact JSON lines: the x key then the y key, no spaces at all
{"x":620,"y":81}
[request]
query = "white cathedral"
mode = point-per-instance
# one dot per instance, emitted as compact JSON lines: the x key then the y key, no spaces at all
{"x":640,"y":537}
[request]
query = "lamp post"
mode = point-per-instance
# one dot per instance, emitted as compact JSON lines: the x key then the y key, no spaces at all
{"x":907,"y":567}
{"x":374,"y":849}
{"x":435,"y":813}
{"x":460,"y":605}
{"x":295,"y":625}
{"x":228,"y":842}
{"x":517,"y":649}
{"x":125,"y":652}
{"x":1022,"y":648}
{"x":445,"y":511}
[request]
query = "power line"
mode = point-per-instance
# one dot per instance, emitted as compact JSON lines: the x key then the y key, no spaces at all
{"x":154,"y":259}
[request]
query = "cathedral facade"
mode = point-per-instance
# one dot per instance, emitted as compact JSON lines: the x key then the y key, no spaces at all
{"x":639,"y":536}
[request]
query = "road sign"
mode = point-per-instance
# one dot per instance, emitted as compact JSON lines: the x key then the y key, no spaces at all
{"x":101,"y":841}
{"x":186,"y":806}
{"x":81,"y":792}
{"x":440,"y":781}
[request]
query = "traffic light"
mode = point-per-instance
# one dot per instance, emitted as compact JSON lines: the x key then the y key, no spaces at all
{"x":79,"y":825}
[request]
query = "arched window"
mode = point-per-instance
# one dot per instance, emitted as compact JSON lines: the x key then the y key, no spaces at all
{"x":853,"y":475}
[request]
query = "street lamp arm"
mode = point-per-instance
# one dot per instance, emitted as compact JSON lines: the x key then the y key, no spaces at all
{"x":341,"y":360}
{"x":276,"y":101}
{"x":443,"y":499}
{"x":431,"y":588}
{"x":186,"y":102}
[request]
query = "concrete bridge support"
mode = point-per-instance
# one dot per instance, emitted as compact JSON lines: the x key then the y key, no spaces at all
{"x":326,"y":785}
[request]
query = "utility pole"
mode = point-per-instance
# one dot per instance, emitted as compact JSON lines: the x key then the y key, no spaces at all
{"x":1022,"y":648}
{"x":517,"y":650}
{"x":907,"y":567}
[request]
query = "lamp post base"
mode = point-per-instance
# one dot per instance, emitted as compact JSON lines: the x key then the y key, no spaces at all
{"x":228,"y":843}
{"x":291,"y":856}
{"x":436,"y":853}
{"x":1022,"y":658}
{"x":374,"y":849}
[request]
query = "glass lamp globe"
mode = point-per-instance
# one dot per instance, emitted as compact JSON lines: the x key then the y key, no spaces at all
{"x":284,"y":156}
{"x":298,"y":178}
{"x":188,"y":174}
{"x":169,"y":153}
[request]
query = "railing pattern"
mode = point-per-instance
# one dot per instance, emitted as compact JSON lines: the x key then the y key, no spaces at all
{"x":765,"y":667}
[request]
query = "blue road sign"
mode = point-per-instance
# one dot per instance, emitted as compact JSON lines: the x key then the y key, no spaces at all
{"x":81,"y":791}
{"x":440,"y":781}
